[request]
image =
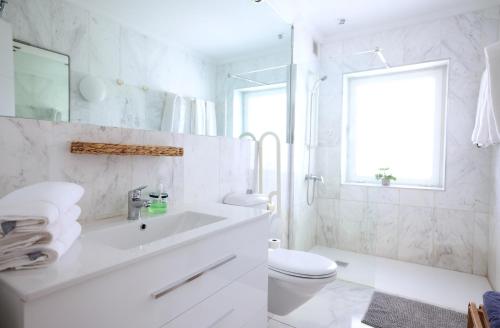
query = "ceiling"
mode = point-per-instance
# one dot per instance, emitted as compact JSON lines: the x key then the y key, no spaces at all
{"x":321,"y":16}
{"x":219,"y":29}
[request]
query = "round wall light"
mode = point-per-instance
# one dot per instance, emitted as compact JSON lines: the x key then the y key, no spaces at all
{"x":93,"y":89}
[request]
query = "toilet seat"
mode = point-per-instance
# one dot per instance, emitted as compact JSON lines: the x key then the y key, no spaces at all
{"x":301,"y":264}
{"x":298,"y":275}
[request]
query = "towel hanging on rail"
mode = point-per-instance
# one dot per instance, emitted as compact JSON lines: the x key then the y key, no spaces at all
{"x":486,"y":129}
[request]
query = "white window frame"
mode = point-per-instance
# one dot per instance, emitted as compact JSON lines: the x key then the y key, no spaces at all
{"x":346,"y":176}
{"x":239,"y":96}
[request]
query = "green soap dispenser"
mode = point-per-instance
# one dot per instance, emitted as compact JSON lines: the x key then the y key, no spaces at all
{"x":159,"y":201}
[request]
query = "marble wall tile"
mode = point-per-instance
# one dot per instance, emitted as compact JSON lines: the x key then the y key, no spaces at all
{"x":39,"y":151}
{"x":328,"y":216}
{"x":389,"y":42}
{"x":352,"y":192}
{"x":328,"y":166}
{"x":353,"y":210}
{"x":349,"y":235}
{"x":168,"y":171}
{"x":101,"y":176}
{"x":453,"y":239}
{"x":384,"y":218}
{"x":70,"y":33}
{"x":480,"y":244}
{"x":199,"y":184}
{"x":233,"y":177}
{"x":422,"y":42}
{"x":303,"y":227}
{"x":25,"y":157}
{"x":32,"y":21}
{"x":415,"y":197}
{"x":104,"y":47}
{"x":383,"y":195}
{"x":415,"y":232}
{"x":353,"y":62}
{"x":133,"y":57}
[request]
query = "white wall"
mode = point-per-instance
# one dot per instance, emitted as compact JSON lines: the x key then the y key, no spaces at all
{"x":101,"y":47}
{"x":447,"y":229}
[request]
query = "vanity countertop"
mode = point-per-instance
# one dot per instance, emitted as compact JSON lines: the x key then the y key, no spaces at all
{"x":89,"y":258}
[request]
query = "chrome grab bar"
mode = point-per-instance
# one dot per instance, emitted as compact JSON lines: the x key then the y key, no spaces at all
{"x":162,"y":292}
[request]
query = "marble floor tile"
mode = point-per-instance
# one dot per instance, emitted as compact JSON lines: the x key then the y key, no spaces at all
{"x":340,"y":304}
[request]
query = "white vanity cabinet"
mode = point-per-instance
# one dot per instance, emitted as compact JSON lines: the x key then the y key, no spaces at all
{"x":219,"y":280}
{"x":7,"y":96}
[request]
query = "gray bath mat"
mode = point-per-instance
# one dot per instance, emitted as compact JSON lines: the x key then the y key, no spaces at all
{"x":388,"y":311}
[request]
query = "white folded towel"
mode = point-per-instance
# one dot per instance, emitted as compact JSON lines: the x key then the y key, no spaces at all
{"x":211,"y":119}
{"x":487,"y":127}
{"x":34,"y":207}
{"x":22,"y":237}
{"x":174,"y":114}
{"x":198,"y":117}
{"x":39,"y":256}
{"x":63,"y":195}
{"x":27,"y":216}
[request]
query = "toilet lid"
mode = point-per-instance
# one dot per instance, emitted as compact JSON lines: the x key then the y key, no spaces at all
{"x":301,"y":264}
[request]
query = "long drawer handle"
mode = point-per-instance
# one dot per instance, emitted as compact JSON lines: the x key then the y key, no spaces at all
{"x":222,"y":317}
{"x":191,"y":277}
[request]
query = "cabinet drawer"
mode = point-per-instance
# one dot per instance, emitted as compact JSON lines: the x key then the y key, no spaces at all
{"x":154,"y":291}
{"x":232,"y":307}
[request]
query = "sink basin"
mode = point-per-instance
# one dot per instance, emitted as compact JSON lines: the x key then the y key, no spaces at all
{"x":142,"y":232}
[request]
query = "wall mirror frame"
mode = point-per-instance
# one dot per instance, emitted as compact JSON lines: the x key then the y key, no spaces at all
{"x":42,"y":82}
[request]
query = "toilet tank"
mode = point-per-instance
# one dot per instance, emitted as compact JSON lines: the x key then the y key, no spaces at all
{"x":247,"y":200}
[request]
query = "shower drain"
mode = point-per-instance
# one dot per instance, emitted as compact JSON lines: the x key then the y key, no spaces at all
{"x":342,"y":264}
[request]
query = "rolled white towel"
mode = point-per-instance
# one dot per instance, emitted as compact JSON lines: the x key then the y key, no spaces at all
{"x":22,"y":237}
{"x":63,"y":195}
{"x":39,"y":256}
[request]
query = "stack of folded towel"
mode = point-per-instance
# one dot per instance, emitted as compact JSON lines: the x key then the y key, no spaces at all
{"x":38,"y":224}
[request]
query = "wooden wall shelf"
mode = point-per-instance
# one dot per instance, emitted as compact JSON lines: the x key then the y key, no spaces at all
{"x":94,"y":148}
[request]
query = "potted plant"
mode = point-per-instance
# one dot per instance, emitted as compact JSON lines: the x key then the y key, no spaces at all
{"x":384,"y":176}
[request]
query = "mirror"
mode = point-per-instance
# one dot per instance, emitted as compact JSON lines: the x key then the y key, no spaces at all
{"x":41,"y":80}
{"x":208,"y":68}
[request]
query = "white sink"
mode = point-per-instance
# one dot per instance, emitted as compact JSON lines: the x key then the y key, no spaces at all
{"x":142,"y":232}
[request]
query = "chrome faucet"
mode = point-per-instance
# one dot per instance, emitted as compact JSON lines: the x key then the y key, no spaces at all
{"x":135,"y":203}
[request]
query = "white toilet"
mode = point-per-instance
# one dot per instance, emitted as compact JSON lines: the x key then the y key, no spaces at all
{"x":294,"y":276}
